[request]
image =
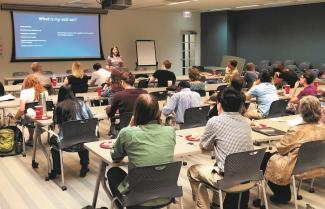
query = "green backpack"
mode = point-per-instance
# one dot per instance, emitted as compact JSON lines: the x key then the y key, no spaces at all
{"x":11,"y":141}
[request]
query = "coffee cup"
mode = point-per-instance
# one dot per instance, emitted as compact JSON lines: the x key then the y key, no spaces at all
{"x":39,"y":112}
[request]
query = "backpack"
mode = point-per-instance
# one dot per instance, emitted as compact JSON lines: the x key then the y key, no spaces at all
{"x":11,"y":141}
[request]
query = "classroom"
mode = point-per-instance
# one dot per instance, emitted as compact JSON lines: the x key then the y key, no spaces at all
{"x":147,"y":104}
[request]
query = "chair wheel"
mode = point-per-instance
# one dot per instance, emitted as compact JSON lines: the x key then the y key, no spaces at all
{"x":262,"y":207}
{"x":24,"y":154}
{"x":299,"y":197}
{"x":257,"y":203}
{"x":312,"y":190}
{"x":64,"y":188}
{"x":34,"y":164}
{"x":184,"y":163}
{"x":47,"y":178}
{"x":213,"y":157}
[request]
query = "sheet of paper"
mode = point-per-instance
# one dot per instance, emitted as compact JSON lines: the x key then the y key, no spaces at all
{"x":7,"y":97}
{"x":295,"y":121}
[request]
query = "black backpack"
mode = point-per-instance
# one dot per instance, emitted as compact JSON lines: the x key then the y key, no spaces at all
{"x":11,"y":141}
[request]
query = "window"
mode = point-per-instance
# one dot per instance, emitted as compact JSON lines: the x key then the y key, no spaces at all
{"x":188,"y":50}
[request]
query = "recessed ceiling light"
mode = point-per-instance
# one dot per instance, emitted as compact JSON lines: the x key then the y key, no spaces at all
{"x":180,"y":2}
{"x":221,"y":9}
{"x":187,"y":14}
{"x":248,"y":6}
{"x":73,"y":1}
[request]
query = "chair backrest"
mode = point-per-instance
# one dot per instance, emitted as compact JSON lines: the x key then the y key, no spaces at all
{"x":242,"y":167}
{"x":322,"y":67}
{"x":78,"y":131}
{"x":277,"y":62}
{"x":304,"y":65}
{"x":125,"y":119}
{"x":160,"y":95}
{"x":49,"y":105}
{"x":289,"y":62}
{"x":195,"y":117}
{"x":201,"y":92}
{"x":264,"y":63}
{"x":17,"y":74}
{"x":311,"y":155}
{"x":294,"y":68}
{"x":152,"y":182}
{"x":268,"y":68}
{"x":314,"y":71}
{"x":143,"y":83}
{"x":278,"y":108}
{"x":88,"y":71}
{"x":221,"y":87}
{"x":68,"y":71}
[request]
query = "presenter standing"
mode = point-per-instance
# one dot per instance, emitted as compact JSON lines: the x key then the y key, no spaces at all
{"x":114,"y":60}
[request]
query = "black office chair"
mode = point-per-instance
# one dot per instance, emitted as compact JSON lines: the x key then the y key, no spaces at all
{"x":311,"y":155}
{"x":19,"y":74}
{"x":143,"y":83}
{"x":160,"y":95}
{"x":69,"y":71}
{"x":278,"y":108}
{"x":264,"y":63}
{"x":289,"y":62}
{"x":74,"y":133}
{"x":195,"y":117}
{"x":242,"y":173}
{"x":304,"y":66}
{"x":124,"y":121}
{"x":201,"y":92}
{"x":152,"y":182}
{"x":47,"y":72}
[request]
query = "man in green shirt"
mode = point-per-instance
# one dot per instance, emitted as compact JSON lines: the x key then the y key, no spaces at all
{"x":145,"y":142}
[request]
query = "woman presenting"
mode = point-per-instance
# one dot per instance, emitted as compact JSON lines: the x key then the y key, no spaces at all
{"x":114,"y":61}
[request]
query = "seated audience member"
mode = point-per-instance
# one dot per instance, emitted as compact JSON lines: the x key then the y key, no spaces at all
{"x":306,"y":80}
{"x":227,"y":133}
{"x":164,"y":75}
{"x":195,"y":79}
{"x":69,"y":108}
{"x":181,"y":101}
{"x":38,"y":73}
{"x":265,"y":93}
{"x":124,"y":101}
{"x":2,"y":89}
{"x":284,"y":75}
{"x":78,"y":80}
{"x":30,"y":93}
{"x":237,"y":83}
{"x":231,"y":71}
{"x":145,"y":142}
{"x":251,"y":75}
{"x":99,"y":76}
{"x":280,"y":165}
{"x":113,"y":86}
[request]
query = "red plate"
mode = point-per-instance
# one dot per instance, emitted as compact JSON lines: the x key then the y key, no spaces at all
{"x":106,"y":145}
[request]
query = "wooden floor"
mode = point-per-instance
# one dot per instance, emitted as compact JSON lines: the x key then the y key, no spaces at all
{"x":22,"y":187}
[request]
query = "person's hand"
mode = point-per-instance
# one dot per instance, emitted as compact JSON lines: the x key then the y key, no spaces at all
{"x":297,"y":84}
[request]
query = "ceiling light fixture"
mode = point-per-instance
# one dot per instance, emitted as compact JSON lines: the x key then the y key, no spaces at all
{"x":247,"y":6}
{"x":187,"y":14}
{"x":275,"y":3}
{"x":221,"y":9}
{"x":175,"y":3}
{"x":73,"y":1}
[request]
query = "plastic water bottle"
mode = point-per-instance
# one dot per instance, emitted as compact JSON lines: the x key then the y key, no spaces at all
{"x":42,"y":102}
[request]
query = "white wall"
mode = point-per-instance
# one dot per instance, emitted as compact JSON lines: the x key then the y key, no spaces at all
{"x":119,"y":28}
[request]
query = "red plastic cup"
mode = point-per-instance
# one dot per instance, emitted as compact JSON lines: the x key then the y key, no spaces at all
{"x":99,"y":91}
{"x":316,"y":83}
{"x":54,"y":82}
{"x":287,"y":89}
{"x":39,"y":112}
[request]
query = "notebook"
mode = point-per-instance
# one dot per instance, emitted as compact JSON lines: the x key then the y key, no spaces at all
{"x":269,"y":131}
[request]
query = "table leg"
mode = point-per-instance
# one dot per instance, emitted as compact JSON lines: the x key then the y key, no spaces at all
{"x":101,"y":174}
{"x":47,"y":156}
{"x":3,"y":116}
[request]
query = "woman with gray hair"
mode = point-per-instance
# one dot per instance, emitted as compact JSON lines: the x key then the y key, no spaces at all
{"x":280,"y":165}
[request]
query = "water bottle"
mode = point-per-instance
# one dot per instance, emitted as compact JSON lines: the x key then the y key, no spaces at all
{"x":42,"y":102}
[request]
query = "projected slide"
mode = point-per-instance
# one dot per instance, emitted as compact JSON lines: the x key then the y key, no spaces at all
{"x":56,"y":36}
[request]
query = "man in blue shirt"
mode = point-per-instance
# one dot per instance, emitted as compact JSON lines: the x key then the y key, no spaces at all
{"x":265,"y":93}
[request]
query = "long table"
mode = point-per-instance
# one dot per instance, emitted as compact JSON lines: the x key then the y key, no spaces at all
{"x":182,"y":148}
